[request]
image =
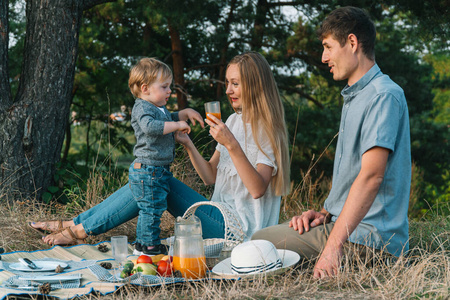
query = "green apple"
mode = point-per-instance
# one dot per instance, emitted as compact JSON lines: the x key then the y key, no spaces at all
{"x":144,"y":268}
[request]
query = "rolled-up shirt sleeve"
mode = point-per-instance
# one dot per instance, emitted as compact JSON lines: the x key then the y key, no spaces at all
{"x":381,"y":123}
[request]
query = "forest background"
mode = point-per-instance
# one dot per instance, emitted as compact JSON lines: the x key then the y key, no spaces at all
{"x":197,"y":39}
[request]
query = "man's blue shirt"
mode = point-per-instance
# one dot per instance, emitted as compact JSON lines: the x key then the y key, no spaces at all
{"x":375,"y":114}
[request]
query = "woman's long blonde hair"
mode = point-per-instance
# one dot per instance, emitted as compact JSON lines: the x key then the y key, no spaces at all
{"x":263,"y":109}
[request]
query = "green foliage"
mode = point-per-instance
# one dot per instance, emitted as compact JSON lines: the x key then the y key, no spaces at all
{"x":403,"y":67}
{"x":430,"y":145}
{"x":312,"y":99}
{"x":17,"y":41}
{"x":429,"y":21}
{"x":431,"y":233}
{"x":441,"y":194}
{"x":412,"y":48}
{"x":430,"y":137}
{"x":65,"y":178}
{"x":441,"y":86}
{"x":309,"y":138}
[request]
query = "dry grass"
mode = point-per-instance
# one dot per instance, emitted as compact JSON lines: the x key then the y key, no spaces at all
{"x":425,"y":274}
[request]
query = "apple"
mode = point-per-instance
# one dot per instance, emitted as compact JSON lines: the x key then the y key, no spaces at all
{"x":157,"y":258}
{"x":168,"y":258}
{"x":164,"y":268}
{"x":144,"y":259}
{"x":144,"y":268}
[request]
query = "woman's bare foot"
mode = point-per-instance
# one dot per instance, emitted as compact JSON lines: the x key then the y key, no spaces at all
{"x":70,"y":236}
{"x":51,"y":226}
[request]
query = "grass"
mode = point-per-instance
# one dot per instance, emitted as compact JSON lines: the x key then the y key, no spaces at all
{"x":425,"y":274}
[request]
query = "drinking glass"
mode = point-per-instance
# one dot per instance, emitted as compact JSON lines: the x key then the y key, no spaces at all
{"x":213,"y":108}
{"x":119,"y":245}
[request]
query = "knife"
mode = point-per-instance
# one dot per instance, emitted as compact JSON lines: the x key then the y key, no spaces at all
{"x":29,"y":263}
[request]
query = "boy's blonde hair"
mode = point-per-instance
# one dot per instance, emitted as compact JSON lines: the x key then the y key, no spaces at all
{"x":263,"y":109}
{"x":147,"y":71}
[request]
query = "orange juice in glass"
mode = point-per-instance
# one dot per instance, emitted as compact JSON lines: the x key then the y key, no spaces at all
{"x":213,"y":108}
{"x":190,"y":267}
{"x":188,"y":251}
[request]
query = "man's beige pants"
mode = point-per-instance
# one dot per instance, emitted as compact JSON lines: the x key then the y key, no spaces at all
{"x":309,"y":244}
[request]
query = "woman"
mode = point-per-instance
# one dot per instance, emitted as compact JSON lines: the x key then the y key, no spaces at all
{"x":250,"y":166}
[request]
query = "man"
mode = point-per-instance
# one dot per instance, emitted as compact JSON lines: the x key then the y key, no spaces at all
{"x":368,"y":202}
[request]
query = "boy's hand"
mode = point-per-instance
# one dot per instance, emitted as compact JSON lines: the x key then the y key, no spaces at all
{"x":184,"y":127}
{"x":192,"y":115}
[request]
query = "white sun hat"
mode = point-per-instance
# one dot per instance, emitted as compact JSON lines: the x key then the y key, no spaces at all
{"x":256,"y":257}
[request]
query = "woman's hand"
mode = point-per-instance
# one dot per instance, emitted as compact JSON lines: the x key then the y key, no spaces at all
{"x":220,"y":132}
{"x":182,"y":138}
{"x":207,"y":170}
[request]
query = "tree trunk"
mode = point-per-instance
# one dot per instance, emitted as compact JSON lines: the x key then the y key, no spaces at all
{"x":68,"y":142}
{"x":5,"y":90}
{"x":224,"y":51}
{"x":88,"y":143}
{"x":32,"y":126}
{"x":178,"y":66}
{"x":259,"y":25}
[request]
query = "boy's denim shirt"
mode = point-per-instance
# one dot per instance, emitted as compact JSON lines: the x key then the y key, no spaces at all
{"x":152,"y":146}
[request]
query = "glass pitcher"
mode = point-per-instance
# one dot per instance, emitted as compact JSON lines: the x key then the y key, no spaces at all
{"x":188,"y":251}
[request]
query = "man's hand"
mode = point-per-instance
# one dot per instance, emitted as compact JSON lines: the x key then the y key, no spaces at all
{"x":307,"y":220}
{"x":328,"y":263}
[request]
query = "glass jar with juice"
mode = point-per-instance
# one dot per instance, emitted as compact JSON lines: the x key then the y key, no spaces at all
{"x":188,"y":251}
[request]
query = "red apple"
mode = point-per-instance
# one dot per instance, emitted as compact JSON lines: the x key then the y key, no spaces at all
{"x":164,"y":268}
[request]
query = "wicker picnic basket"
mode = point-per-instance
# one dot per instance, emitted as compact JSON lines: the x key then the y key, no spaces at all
{"x":220,"y":248}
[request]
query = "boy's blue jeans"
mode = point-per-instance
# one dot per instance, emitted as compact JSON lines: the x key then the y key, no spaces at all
{"x":121,"y":207}
{"x":150,"y":187}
